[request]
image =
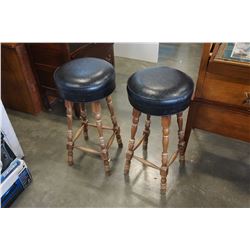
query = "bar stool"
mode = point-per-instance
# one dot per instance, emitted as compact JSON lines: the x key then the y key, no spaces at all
{"x":159,"y":91}
{"x":88,"y":80}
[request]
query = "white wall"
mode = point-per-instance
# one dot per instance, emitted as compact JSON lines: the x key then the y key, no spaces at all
{"x":140,"y":51}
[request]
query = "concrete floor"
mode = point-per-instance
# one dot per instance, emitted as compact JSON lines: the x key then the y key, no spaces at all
{"x":217,"y":171}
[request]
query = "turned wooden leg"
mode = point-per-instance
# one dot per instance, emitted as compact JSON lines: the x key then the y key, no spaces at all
{"x":146,"y":132}
{"x":190,"y":123}
{"x":114,"y":121}
{"x":165,"y":122}
{"x":76,"y":110}
{"x":83,"y":116}
{"x":135,"y":120}
{"x":45,"y":100}
{"x":69,"y":107}
{"x":96,"y":108}
{"x":181,"y":143}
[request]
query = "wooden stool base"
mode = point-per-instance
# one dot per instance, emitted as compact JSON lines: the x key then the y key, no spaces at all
{"x":166,"y":160}
{"x":104,"y":147}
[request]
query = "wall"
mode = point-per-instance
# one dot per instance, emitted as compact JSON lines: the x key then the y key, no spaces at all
{"x":140,"y":51}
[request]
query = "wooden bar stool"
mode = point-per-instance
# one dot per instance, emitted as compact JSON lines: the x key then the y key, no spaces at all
{"x":159,"y":91}
{"x":88,"y":80}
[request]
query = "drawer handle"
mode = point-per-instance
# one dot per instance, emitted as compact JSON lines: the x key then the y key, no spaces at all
{"x":247,"y":100}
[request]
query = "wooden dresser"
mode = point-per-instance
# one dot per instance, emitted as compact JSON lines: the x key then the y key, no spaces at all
{"x":19,"y":90}
{"x":46,"y":57}
{"x":221,"y":103}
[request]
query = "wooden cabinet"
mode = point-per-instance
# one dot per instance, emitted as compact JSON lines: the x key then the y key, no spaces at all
{"x":221,"y":103}
{"x":19,"y":89}
{"x":27,"y":70}
{"x":46,"y":57}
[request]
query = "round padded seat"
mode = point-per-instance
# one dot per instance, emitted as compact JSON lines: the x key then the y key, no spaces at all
{"x":160,"y":91}
{"x":85,"y":79}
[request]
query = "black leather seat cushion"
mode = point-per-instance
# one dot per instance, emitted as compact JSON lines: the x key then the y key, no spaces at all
{"x":160,"y":91}
{"x":85,"y":79}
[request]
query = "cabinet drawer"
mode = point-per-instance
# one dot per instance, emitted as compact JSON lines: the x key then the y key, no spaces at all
{"x":217,"y":88}
{"x":48,"y":54}
{"x":99,"y":50}
{"x":224,"y":121}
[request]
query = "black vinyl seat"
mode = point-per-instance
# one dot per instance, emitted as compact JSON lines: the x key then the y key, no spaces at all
{"x":85,"y":79}
{"x":160,"y":91}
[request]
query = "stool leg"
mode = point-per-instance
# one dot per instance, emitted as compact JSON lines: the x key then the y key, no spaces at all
{"x":165,"y":122}
{"x":146,"y":132}
{"x":114,"y":121}
{"x":135,"y":120}
{"x":181,"y":143}
{"x":96,"y":108}
{"x":69,"y":107}
{"x":83,"y":115}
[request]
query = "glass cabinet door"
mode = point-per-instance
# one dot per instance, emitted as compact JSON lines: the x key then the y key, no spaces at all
{"x":233,"y":52}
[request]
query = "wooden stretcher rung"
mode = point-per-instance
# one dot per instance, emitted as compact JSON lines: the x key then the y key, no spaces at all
{"x":139,"y":142}
{"x":145,"y":162}
{"x":88,"y":150}
{"x":103,"y":127}
{"x":110,"y":141}
{"x":79,"y":131}
{"x":173,"y":157}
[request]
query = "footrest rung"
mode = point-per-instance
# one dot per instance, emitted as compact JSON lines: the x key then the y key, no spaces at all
{"x":110,"y":141}
{"x":139,"y":142}
{"x":145,"y":162}
{"x":103,"y":127}
{"x":79,"y":131}
{"x":173,"y":157}
{"x":88,"y":150}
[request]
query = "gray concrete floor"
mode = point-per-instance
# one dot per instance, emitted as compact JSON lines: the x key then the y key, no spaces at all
{"x":217,"y":171}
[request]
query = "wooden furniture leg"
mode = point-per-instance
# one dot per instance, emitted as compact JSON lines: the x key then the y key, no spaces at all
{"x":46,"y":102}
{"x":70,"y":144}
{"x":114,"y":121}
{"x":189,"y":124}
{"x":76,"y":110}
{"x":146,"y":132}
{"x":83,"y":116}
{"x":181,"y":143}
{"x":165,"y":122}
{"x":135,"y":120}
{"x":96,"y":108}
